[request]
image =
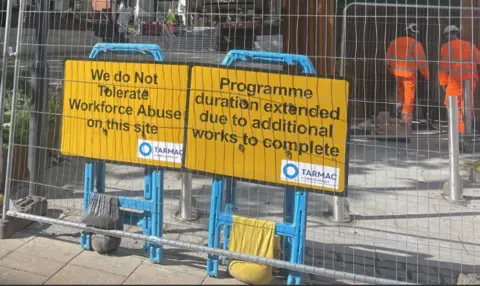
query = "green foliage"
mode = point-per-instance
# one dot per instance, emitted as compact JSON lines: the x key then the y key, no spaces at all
{"x":22,"y":118}
{"x":23,"y":110}
{"x":473,"y":165}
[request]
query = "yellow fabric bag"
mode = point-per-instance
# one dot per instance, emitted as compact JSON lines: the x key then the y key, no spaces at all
{"x":254,"y":237}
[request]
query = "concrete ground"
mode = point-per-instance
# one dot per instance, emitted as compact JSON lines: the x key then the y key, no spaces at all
{"x":51,"y":255}
{"x":33,"y":258}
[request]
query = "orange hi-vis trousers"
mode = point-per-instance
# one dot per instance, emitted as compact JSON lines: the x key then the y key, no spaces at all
{"x":406,"y":96}
{"x":456,"y":89}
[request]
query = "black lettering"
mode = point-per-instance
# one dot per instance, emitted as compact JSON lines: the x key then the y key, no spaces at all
{"x":324,"y":113}
{"x":335,"y":114}
{"x":278,"y":108}
{"x":319,"y":149}
{"x":308,"y":94}
{"x":224,"y":82}
{"x":138,"y":128}
{"x":199,"y":99}
{"x":100,"y":75}
{"x":148,"y":79}
{"x":334,"y":151}
{"x":74,"y":103}
{"x":198,"y":133}
{"x":294,"y":91}
{"x":233,"y":138}
{"x":267,"y":107}
{"x":209,"y":135}
{"x":241,"y":86}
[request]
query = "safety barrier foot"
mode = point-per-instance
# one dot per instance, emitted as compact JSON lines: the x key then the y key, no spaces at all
{"x":86,"y":240}
{"x":294,"y":278}
{"x":156,"y":254}
{"x":212,"y":266}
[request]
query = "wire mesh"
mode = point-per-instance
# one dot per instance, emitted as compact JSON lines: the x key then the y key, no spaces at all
{"x":403,"y":228}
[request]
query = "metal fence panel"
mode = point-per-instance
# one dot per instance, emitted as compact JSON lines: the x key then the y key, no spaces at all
{"x":402,"y":228}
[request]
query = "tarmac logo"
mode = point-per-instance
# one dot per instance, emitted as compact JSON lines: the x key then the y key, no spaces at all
{"x":310,"y":174}
{"x":160,"y":151}
{"x":145,"y":149}
{"x":290,"y":171}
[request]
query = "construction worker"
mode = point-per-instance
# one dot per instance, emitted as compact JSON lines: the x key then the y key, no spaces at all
{"x":458,"y":62}
{"x":405,"y":55}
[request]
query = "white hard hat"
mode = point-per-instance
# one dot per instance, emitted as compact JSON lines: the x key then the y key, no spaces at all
{"x":412,"y":28}
{"x":449,"y":29}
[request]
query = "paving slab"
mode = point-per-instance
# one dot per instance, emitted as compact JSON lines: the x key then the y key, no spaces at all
{"x":74,"y":274}
{"x":147,"y":274}
{"x":30,"y":263}
{"x":119,"y":262}
{"x":50,"y":248}
{"x":193,"y":239}
{"x":222,"y":279}
{"x":182,"y":263}
{"x":10,"y":276}
{"x":17,"y":240}
{"x":4,"y":252}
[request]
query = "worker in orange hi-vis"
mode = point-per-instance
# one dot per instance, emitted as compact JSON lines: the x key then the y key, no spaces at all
{"x":405,"y":55}
{"x":458,"y":62}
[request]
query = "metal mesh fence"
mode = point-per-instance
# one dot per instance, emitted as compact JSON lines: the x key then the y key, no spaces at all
{"x":402,"y":227}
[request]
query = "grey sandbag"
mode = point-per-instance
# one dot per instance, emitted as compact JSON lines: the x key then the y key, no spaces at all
{"x":104,"y":212}
{"x":105,"y":244}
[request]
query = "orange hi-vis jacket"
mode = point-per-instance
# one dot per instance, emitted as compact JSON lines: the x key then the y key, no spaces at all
{"x":405,"y":56}
{"x":458,"y":61}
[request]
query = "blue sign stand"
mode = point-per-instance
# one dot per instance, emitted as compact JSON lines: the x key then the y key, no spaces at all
{"x":293,"y":229}
{"x":151,"y":220}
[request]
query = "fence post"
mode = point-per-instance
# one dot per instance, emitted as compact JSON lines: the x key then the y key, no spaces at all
{"x":186,"y":203}
{"x":338,"y":210}
{"x":3,"y":87}
{"x":337,"y":206}
{"x":186,"y":212}
{"x":11,"y":132}
{"x":468,"y":108}
{"x":38,"y":127}
{"x":186,"y":197}
{"x":454,"y":190}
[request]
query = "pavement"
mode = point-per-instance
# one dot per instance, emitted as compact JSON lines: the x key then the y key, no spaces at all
{"x":34,"y":258}
{"x":51,"y":255}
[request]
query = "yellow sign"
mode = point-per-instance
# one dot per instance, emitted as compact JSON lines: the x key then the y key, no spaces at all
{"x":274,"y":128}
{"x":125,"y":112}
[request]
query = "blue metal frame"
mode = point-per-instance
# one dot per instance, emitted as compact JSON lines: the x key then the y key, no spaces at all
{"x":235,"y":56}
{"x":294,"y":231}
{"x":154,"y":50}
{"x":295,"y":202}
{"x":151,"y":221}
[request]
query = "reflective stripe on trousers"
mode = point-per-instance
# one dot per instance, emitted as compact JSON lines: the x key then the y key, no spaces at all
{"x":406,"y":96}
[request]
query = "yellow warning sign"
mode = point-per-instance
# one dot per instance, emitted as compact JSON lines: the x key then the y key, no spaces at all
{"x":274,"y":128}
{"x":125,"y":112}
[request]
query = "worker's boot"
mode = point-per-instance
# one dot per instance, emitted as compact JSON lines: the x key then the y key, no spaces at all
{"x":398,"y":110}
